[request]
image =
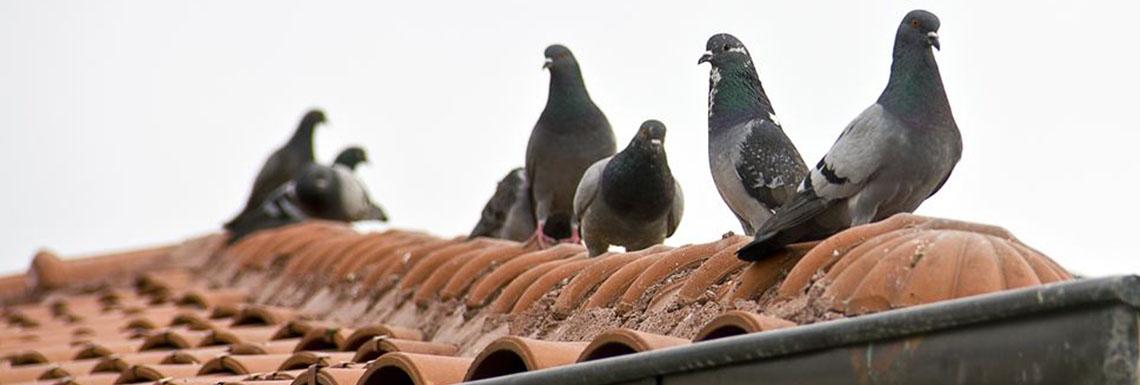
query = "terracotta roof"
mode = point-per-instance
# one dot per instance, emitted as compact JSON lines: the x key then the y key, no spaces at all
{"x":321,"y":302}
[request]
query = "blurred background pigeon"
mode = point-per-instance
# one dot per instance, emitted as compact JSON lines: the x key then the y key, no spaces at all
{"x":508,"y":214}
{"x":630,"y":199}
{"x":335,"y":193}
{"x":283,"y":165}
{"x":891,"y":158}
{"x":322,"y":192}
{"x":755,"y":166}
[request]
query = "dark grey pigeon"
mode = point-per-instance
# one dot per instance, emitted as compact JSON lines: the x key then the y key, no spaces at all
{"x":351,"y":157}
{"x":279,"y":209}
{"x":754,"y":165}
{"x":507,"y":215}
{"x":630,"y":199}
{"x":334,"y":193}
{"x":283,"y":165}
{"x":571,"y":134}
{"x":320,"y":199}
{"x":890,"y":159}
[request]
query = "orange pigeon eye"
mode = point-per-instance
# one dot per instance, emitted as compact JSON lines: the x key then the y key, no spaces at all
{"x":914,"y":23}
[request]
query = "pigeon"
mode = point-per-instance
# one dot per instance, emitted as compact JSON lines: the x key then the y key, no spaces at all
{"x":570,"y":135}
{"x":283,"y":165}
{"x":334,"y":193}
{"x":630,"y":199}
{"x":755,"y":166}
{"x":507,"y":215}
{"x":351,"y":157}
{"x":892,"y":157}
{"x":279,"y":209}
{"x":285,"y":206}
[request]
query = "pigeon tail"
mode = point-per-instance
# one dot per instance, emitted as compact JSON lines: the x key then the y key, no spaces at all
{"x":791,"y":223}
{"x":377,"y":213}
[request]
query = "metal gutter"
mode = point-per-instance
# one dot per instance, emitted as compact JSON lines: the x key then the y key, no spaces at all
{"x":1077,"y":332}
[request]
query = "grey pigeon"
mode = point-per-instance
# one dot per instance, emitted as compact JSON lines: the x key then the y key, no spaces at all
{"x":891,"y":158}
{"x":334,"y":193}
{"x":507,"y":215}
{"x":283,"y":165}
{"x":630,"y":199}
{"x":570,"y":135}
{"x":754,"y":165}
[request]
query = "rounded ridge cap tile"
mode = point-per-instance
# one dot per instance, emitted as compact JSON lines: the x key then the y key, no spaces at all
{"x":549,"y":280}
{"x":758,"y":277}
{"x":908,"y":260}
{"x":416,"y":368}
{"x":737,"y":322}
{"x":430,"y":288}
{"x":472,"y":270}
{"x":325,"y":266}
{"x":152,"y":373}
{"x":616,"y":284}
{"x":622,"y":341}
{"x":302,"y":360}
{"x":314,"y":375}
{"x":713,"y":270}
{"x":378,"y":346}
{"x":499,"y":279}
{"x":827,"y":251}
{"x":312,"y":261}
{"x":512,"y":354}
{"x":575,"y":292}
{"x":351,"y":268}
{"x":391,"y":265}
{"x":362,"y":335}
{"x":323,"y":338}
{"x":421,"y":270}
{"x":665,"y":265}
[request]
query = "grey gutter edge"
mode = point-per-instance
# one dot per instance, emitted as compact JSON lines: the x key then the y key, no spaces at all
{"x":856,"y":330}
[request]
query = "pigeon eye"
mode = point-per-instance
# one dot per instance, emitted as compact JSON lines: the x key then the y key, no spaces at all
{"x":914,"y":23}
{"x":726,"y":47}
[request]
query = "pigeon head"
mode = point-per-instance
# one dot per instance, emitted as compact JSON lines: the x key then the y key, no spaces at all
{"x":723,"y":49}
{"x":313,"y":118}
{"x":735,"y":92}
{"x":559,"y":58}
{"x":918,"y":29}
{"x":351,"y":157}
{"x":651,"y":133}
{"x":303,"y":136}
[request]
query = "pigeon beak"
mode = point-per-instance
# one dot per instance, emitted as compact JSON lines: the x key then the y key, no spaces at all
{"x":547,"y":63}
{"x":932,"y":37}
{"x":705,"y":58}
{"x":655,"y":142}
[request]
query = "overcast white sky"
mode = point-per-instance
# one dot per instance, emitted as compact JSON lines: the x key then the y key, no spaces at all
{"x":131,"y":123}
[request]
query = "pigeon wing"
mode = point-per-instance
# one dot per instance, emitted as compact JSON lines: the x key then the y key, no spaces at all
{"x":770,"y":167}
{"x":677,"y":211}
{"x":852,"y":161}
{"x":588,"y":187}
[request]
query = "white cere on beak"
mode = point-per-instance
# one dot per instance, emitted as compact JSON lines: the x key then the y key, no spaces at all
{"x":655,"y":141}
{"x":932,"y":35}
{"x":548,"y":62}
